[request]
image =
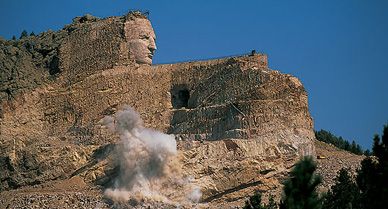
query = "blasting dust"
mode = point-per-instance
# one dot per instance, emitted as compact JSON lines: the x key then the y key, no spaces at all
{"x":149,"y":167}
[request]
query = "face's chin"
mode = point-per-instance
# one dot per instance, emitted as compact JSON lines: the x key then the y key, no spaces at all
{"x":140,"y":52}
{"x":144,"y":60}
{"x":144,"y":57}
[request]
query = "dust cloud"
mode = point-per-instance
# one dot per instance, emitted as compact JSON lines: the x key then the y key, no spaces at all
{"x":149,"y":166}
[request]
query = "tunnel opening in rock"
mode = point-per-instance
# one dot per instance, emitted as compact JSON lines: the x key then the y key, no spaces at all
{"x":180,"y":96}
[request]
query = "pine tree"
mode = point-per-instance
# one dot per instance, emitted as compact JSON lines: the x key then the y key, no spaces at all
{"x":14,"y":37}
{"x":300,"y":189}
{"x":372,"y":178}
{"x":24,"y":34}
{"x":367,"y":152}
{"x":346,"y":146}
{"x":254,"y":202}
{"x":377,"y":148}
{"x":353,"y":147}
{"x":367,"y":181}
{"x":32,"y":33}
{"x":271,"y":203}
{"x":344,"y":194}
{"x":359,"y":150}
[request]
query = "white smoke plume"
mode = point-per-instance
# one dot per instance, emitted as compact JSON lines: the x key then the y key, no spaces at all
{"x":149,"y":168}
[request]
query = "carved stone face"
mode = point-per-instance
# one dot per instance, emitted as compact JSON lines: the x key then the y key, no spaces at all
{"x":141,"y":40}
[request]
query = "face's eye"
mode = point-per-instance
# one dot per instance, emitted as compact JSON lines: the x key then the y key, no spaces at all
{"x":144,"y":37}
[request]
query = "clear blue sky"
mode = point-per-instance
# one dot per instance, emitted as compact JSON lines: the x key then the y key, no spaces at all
{"x":339,"y":49}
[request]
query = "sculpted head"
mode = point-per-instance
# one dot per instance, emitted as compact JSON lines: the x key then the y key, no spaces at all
{"x":140,"y":38}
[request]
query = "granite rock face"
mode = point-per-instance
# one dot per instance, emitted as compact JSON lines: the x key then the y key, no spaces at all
{"x":239,"y":125}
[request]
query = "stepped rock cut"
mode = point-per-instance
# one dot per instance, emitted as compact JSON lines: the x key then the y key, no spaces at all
{"x":239,"y":125}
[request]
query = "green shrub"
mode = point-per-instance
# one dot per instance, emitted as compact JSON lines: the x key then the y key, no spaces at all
{"x":300,"y":188}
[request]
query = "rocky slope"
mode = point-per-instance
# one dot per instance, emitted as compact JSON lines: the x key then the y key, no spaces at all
{"x":75,"y":193}
{"x":333,"y":160}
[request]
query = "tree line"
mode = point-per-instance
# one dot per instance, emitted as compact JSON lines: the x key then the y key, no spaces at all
{"x":339,"y":142}
{"x":24,"y":34}
{"x":368,"y":190}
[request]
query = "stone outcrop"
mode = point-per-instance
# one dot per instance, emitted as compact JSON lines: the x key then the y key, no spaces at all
{"x":239,"y":125}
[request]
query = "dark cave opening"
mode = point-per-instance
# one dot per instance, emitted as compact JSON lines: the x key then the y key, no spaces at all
{"x":180,"y":96}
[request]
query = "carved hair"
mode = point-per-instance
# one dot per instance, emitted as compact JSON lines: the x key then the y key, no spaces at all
{"x":136,"y":14}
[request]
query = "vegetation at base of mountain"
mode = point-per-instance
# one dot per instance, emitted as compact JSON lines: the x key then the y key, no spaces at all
{"x":327,"y":137}
{"x":254,"y":202}
{"x":371,"y":187}
{"x":300,"y":189}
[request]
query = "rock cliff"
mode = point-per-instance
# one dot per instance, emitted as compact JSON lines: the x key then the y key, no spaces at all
{"x":239,"y":125}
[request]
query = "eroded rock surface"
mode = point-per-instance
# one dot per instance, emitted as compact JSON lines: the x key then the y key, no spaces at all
{"x":239,"y":125}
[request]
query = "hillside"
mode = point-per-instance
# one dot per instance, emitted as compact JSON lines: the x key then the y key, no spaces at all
{"x":334,"y":160}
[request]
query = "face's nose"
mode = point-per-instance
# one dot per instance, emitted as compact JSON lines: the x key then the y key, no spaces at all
{"x":152,"y":45}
